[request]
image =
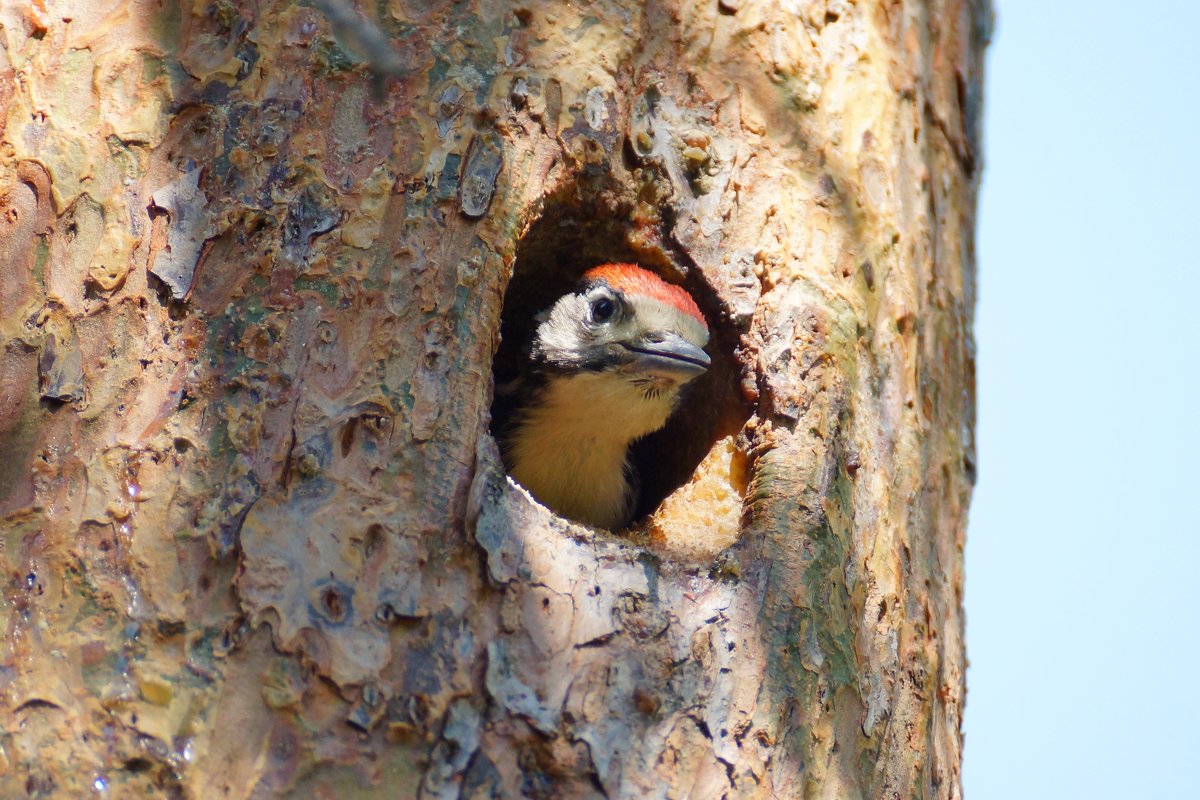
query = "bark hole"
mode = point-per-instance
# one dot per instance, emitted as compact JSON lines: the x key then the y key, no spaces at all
{"x":334,"y":605}
{"x":566,"y":240}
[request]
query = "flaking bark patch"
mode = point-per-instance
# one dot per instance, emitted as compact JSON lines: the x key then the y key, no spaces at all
{"x":182,"y":203}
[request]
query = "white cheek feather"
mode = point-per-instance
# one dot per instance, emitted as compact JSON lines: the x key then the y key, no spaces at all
{"x":562,"y":330}
{"x":570,"y":449}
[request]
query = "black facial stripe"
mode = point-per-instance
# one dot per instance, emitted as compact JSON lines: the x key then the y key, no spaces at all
{"x":595,"y":360}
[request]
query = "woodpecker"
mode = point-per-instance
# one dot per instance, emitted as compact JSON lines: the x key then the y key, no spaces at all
{"x":608,"y":362}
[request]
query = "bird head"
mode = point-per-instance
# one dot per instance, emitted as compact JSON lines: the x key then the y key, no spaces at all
{"x":628,"y":323}
{"x":609,"y":360}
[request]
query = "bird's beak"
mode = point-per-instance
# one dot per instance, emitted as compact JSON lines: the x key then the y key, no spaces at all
{"x":667,"y":355}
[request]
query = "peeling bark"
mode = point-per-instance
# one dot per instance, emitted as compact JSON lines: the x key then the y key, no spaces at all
{"x":255,"y":262}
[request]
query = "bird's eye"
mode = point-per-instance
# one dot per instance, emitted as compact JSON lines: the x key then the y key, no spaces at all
{"x":602,"y":309}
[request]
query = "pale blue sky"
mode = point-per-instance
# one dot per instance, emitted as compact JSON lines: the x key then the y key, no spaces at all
{"x":1083,"y":550}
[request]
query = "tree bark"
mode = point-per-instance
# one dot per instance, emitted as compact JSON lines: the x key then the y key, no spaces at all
{"x":256,"y":260}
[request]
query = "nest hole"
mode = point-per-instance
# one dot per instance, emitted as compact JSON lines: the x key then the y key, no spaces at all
{"x":557,"y":248}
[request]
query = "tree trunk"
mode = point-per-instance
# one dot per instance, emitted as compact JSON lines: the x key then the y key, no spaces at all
{"x":255,"y":265}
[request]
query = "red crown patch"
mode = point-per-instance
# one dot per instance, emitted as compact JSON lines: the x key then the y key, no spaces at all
{"x":632,"y":279}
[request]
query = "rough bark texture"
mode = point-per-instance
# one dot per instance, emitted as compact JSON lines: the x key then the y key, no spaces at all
{"x":257,"y":540}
